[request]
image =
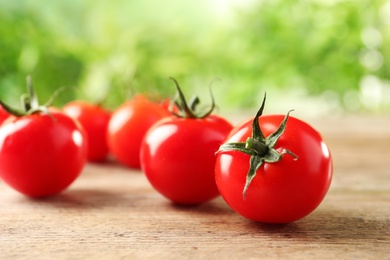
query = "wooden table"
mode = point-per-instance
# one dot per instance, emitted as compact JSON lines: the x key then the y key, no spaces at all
{"x":112,"y":212}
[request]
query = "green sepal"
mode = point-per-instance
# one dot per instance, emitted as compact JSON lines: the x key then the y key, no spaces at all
{"x":256,"y":131}
{"x":255,"y":163}
{"x":188,"y":110}
{"x":241,"y":147}
{"x":33,"y":99}
{"x":29,"y":102}
{"x":12,"y":111}
{"x":274,"y":137}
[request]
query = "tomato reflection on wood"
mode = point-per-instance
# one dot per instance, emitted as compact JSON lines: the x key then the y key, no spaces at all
{"x":273,"y":168}
{"x":178,"y":153}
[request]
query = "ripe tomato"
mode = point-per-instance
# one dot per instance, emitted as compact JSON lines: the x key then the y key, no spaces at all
{"x":178,"y":155}
{"x":273,"y":169}
{"x":42,"y":150}
{"x":3,"y":114}
{"x":127,"y":127}
{"x":41,"y":154}
{"x":94,"y":119}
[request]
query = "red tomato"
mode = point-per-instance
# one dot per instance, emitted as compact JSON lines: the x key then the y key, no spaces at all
{"x":178,"y":155}
{"x":3,"y":114}
{"x":282,"y":191}
{"x":41,"y":154}
{"x":94,"y":119}
{"x":127,"y":127}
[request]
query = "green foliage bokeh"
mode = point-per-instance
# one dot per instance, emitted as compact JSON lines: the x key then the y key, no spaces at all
{"x":333,"y":52}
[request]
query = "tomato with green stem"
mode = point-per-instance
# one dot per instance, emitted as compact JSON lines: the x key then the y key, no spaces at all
{"x":42,"y":150}
{"x":273,"y":168}
{"x":128,"y":126}
{"x":94,"y":118}
{"x":178,"y":153}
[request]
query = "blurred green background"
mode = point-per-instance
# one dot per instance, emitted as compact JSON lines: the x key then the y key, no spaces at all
{"x":317,"y":56}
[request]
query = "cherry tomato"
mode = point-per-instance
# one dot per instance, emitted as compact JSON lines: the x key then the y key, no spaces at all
{"x":94,"y":119}
{"x":41,"y":154}
{"x":127,"y":127}
{"x":42,"y":150}
{"x":178,"y":155}
{"x":279,"y":174}
{"x":3,"y":114}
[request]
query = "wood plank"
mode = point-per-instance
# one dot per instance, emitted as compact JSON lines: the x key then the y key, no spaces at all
{"x":112,"y":212}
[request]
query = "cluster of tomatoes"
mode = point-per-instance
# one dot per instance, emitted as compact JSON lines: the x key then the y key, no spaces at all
{"x":274,"y":168}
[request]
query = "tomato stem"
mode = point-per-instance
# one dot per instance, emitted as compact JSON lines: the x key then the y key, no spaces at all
{"x":256,"y":146}
{"x":194,"y":102}
{"x":33,"y":100}
{"x":25,"y":102}
{"x":260,"y":148}
{"x":188,"y":110}
{"x":30,"y":104}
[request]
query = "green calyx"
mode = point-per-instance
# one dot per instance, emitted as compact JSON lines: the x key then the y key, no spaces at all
{"x":189,"y":109}
{"x":29,"y":101}
{"x":260,"y":148}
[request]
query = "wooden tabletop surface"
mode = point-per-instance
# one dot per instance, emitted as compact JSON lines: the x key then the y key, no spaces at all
{"x":112,"y":212}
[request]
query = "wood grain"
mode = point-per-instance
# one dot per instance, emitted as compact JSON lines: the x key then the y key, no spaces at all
{"x":112,"y":212}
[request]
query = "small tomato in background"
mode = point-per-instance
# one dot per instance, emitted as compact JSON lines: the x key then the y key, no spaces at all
{"x":273,"y":168}
{"x":42,"y":150}
{"x":178,"y":153}
{"x":128,"y":126}
{"x":94,"y":119}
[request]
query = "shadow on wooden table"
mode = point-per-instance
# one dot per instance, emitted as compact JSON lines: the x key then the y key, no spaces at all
{"x":214,"y":207}
{"x":336,"y":226}
{"x":86,"y":199}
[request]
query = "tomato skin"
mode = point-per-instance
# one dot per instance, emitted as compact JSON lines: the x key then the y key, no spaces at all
{"x":284,"y":191}
{"x":178,"y":157}
{"x":94,"y":119}
{"x":127,"y":127}
{"x":41,"y":155}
